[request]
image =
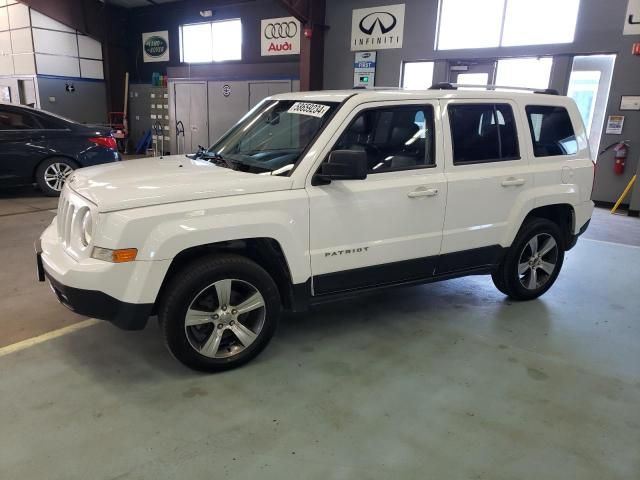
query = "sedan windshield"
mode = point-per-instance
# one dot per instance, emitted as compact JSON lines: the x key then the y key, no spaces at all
{"x":271,"y":137}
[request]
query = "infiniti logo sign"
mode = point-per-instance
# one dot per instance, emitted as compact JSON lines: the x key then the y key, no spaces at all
{"x":385,"y":20}
{"x":377,"y":28}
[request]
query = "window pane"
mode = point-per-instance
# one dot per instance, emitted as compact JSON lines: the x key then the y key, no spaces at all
{"x":524,"y":72}
{"x":483,"y":133}
{"x":417,"y":75}
{"x":540,"y":22}
{"x":470,"y":24}
{"x":472,"y":79}
{"x":12,"y":120}
{"x":393,"y":138}
{"x":551,"y":131}
{"x":197,"y":43}
{"x":227,"y":40}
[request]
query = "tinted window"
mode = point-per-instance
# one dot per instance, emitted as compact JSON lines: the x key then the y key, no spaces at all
{"x":483,"y":133}
{"x":551,"y":131}
{"x":17,"y":120}
{"x":394,"y":138}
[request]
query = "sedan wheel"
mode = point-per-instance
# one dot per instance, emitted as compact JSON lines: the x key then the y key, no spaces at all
{"x":52,"y":174}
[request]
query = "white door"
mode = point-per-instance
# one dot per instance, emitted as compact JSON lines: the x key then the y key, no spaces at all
{"x":191,"y":109}
{"x":487,"y":174}
{"x":386,"y":228}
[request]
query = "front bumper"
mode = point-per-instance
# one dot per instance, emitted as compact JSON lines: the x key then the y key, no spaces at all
{"x":123,"y":294}
{"x":95,"y":304}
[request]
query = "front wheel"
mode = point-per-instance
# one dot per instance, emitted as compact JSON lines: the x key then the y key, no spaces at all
{"x":533,"y":262}
{"x":52,"y":174}
{"x":219,"y":312}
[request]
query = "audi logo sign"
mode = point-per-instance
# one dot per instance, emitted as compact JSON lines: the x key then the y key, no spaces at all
{"x":377,"y":28}
{"x":280,"y":30}
{"x":280,"y":36}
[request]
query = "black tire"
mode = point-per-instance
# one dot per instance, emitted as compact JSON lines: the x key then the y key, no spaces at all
{"x":47,"y":168}
{"x":507,"y":278}
{"x":194,"y":283}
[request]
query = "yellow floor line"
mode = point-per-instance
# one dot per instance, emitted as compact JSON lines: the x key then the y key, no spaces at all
{"x":30,"y":342}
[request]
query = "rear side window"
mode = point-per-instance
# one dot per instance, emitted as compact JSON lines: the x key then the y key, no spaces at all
{"x":551,"y":131}
{"x":482,"y":133}
{"x":18,"y":120}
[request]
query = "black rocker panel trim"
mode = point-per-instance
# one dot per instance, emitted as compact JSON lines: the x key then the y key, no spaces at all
{"x":419,"y":269}
{"x":467,"y":259}
{"x":374,"y":275}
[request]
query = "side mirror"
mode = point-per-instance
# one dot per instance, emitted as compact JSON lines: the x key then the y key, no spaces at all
{"x":343,"y":165}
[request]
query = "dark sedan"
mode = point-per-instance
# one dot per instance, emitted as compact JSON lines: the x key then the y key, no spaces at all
{"x":39,"y":147}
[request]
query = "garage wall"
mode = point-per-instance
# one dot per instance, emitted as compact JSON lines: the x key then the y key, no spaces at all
{"x":599,"y":30}
{"x":171,"y":16}
{"x":86,"y":103}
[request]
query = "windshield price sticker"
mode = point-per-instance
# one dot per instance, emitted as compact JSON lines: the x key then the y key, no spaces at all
{"x":312,"y":109}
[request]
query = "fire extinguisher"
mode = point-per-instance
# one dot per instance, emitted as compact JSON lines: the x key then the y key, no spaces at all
{"x":621,"y":151}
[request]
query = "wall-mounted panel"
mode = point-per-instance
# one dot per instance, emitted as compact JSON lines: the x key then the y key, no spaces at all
{"x":21,"y":41}
{"x":4,"y":19}
{"x":24,"y":64}
{"x":42,"y":21}
{"x":55,"y":43}
{"x":91,"y":69}
{"x":5,"y":43}
{"x":89,"y":48}
{"x":56,"y":65}
{"x":6,"y":65}
{"x":18,"y":16}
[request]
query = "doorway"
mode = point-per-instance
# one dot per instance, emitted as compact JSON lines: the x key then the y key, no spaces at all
{"x":589,"y":85}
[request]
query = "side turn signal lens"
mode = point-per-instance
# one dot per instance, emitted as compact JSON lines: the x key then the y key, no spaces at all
{"x":115,"y":256}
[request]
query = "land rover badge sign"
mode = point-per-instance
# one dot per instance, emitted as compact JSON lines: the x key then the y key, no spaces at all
{"x":155,"y":46}
{"x":377,"y":28}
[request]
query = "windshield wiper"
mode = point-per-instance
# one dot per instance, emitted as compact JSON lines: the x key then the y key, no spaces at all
{"x":213,"y":157}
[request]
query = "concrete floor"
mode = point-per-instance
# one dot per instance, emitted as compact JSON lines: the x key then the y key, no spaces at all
{"x":448,"y":380}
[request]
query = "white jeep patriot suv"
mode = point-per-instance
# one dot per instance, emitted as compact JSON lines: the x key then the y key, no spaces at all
{"x":318,"y":195}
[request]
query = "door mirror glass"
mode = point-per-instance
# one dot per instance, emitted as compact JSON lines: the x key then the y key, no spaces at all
{"x":344,"y":165}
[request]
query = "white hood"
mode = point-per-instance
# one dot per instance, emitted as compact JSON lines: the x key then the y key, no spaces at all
{"x":175,"y":178}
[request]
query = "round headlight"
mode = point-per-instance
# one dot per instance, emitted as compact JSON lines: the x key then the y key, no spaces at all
{"x":86,"y":231}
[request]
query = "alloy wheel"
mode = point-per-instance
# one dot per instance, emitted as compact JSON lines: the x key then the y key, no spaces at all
{"x":225,"y":318}
{"x":538,"y":261}
{"x":56,"y":174}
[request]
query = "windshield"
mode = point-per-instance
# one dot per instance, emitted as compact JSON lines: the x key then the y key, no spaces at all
{"x":272,"y":136}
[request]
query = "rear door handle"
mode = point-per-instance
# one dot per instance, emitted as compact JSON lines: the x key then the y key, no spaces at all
{"x":423,"y":192}
{"x":513,"y":182}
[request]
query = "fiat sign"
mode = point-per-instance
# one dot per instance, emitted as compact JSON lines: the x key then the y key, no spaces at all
{"x":280,"y":36}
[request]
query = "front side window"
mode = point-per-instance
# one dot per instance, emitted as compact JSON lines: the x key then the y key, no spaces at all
{"x":272,"y":136}
{"x":551,"y":131}
{"x":16,"y":120}
{"x":393,"y":138}
{"x":483,"y":132}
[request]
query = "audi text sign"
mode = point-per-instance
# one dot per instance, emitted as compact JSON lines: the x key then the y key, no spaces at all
{"x":280,"y":36}
{"x":377,"y":28}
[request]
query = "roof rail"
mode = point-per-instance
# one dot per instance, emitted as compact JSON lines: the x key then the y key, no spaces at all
{"x":455,"y":86}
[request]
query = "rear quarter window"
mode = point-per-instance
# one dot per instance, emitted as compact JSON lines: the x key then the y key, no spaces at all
{"x":551,"y":131}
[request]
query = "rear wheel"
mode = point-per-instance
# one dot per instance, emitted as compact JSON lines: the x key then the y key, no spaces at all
{"x":533,"y":262}
{"x":219,"y":312}
{"x":52,"y":174}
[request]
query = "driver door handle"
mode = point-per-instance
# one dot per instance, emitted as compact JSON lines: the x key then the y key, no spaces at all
{"x":423,"y":192}
{"x":512,"y":182}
